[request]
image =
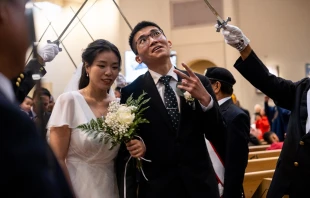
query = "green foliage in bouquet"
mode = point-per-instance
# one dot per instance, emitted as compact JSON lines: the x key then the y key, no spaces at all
{"x":121,"y":123}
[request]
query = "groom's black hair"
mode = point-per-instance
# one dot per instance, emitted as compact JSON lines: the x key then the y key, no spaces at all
{"x":90,"y":53}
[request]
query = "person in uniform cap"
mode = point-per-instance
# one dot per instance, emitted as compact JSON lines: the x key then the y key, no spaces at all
{"x":220,"y":74}
{"x":238,"y":131}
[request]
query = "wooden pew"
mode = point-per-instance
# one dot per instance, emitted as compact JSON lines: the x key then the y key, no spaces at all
{"x":261,"y":191}
{"x":253,"y":179}
{"x":258,"y":148}
{"x":264,"y":154}
{"x":261,"y":164}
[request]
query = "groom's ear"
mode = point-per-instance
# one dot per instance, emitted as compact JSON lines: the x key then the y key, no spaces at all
{"x":138,"y":59}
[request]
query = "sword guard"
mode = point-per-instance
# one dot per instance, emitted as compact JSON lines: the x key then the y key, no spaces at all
{"x":222,"y":25}
{"x":55,"y":42}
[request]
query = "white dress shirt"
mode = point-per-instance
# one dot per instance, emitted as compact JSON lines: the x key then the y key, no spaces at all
{"x":173,"y":83}
{"x":221,"y":101}
{"x":6,"y":88}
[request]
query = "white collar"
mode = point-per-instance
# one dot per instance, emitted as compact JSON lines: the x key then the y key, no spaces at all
{"x":221,"y":101}
{"x":156,"y":76}
{"x":6,"y":88}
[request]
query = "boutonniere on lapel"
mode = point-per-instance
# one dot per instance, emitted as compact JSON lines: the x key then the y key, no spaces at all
{"x":187,"y":96}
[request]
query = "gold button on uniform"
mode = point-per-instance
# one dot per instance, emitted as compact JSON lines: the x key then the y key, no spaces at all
{"x":17,"y":84}
{"x":19,"y":79}
{"x":301,"y":143}
{"x":295,"y":163}
{"x":22,"y":75}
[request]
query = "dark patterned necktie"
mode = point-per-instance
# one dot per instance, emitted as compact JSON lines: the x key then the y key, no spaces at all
{"x":171,"y":102}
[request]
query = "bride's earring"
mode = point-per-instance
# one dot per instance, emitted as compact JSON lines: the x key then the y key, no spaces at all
{"x":87,"y":74}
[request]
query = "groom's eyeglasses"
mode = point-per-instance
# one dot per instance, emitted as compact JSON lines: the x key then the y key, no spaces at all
{"x":144,"y":40}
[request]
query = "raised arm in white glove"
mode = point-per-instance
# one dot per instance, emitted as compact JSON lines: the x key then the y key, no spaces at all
{"x":48,"y":52}
{"x":235,"y":37}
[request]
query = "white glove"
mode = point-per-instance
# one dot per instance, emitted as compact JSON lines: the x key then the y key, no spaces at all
{"x":234,"y":37}
{"x":48,"y":52}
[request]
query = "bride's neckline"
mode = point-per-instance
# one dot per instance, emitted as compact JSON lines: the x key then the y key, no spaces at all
{"x":101,"y":114}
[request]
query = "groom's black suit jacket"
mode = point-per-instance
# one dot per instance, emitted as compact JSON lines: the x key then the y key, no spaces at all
{"x":181,"y":165}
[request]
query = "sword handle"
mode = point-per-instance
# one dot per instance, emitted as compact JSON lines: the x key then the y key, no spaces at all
{"x":222,"y":25}
{"x":55,"y":42}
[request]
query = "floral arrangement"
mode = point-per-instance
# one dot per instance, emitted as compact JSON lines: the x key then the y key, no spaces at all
{"x":188,"y":97}
{"x":121,"y":123}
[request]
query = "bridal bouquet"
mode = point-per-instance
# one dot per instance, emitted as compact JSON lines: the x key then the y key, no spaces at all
{"x":121,"y":123}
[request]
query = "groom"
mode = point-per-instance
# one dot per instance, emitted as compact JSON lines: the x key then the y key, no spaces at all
{"x":175,"y":137}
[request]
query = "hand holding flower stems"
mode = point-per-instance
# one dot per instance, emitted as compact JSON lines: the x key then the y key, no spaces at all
{"x":136,"y":148}
{"x":121,"y":126}
{"x":192,"y":84}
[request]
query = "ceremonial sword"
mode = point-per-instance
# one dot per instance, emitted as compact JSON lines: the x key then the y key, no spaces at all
{"x":63,"y":32}
{"x":83,"y":25}
{"x":221,"y":23}
{"x":122,"y":15}
{"x":39,"y":41}
{"x":36,"y":77}
{"x":80,"y":19}
{"x":50,"y":24}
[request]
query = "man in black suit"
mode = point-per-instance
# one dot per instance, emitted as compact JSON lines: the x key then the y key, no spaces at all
{"x":175,"y":137}
{"x":292,"y":172}
{"x":27,"y":163}
{"x":238,"y":130}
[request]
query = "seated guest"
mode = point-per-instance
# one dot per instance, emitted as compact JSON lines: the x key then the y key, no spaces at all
{"x":272,"y":139}
{"x":262,"y":123}
{"x":26,"y":106}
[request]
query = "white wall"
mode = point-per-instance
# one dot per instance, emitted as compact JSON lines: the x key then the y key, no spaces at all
{"x":278,"y":31}
{"x":280,"y":36}
{"x":102,"y":21}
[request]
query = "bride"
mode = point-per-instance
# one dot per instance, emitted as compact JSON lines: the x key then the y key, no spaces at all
{"x":87,"y":163}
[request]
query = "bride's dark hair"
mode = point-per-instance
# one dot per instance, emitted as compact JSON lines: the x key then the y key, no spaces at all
{"x":90,"y":53}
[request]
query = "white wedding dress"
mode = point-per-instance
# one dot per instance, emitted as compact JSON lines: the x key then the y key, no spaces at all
{"x":89,"y":162}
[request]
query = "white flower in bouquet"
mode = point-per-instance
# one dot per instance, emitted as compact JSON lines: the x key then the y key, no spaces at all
{"x":125,"y":114}
{"x":121,"y":123}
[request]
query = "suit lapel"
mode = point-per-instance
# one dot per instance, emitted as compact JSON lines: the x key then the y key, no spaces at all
{"x":156,"y":101}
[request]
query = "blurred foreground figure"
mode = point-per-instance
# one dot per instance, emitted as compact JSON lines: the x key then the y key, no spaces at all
{"x":28,"y":165}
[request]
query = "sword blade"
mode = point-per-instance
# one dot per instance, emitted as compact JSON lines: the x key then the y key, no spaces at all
{"x":80,"y":19}
{"x":38,"y":42}
{"x":64,"y":48}
{"x":214,"y":12}
{"x":83,"y":25}
{"x":120,"y":11}
{"x":63,"y":32}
